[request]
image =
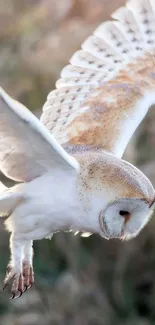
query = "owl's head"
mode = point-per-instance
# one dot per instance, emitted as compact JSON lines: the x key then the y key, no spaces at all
{"x":124,"y":218}
{"x":130,"y":203}
{"x":118,"y":197}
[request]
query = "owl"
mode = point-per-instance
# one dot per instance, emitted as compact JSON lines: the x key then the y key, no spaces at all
{"x":69,"y":166}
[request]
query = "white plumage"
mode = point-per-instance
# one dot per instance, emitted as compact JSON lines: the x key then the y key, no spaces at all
{"x":74,"y":179}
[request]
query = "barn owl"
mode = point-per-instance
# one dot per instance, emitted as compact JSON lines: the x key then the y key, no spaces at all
{"x":69,"y":166}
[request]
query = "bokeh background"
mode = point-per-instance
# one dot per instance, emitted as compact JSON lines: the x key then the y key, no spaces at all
{"x":78,"y":281}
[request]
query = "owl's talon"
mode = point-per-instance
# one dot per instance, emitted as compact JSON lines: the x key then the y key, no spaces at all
{"x":20,"y":282}
{"x":20,"y":294}
{"x":17,"y":282}
{"x":5,"y":286}
{"x":13,"y":296}
{"x":25,"y":288}
{"x":28,"y":276}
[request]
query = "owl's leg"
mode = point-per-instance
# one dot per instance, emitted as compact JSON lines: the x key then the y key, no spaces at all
{"x":28,"y":273}
{"x":14,"y":269}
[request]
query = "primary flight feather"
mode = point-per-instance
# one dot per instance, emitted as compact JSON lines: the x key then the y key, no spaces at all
{"x":72,"y":174}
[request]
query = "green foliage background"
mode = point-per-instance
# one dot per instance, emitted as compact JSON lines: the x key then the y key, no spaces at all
{"x":78,"y":281}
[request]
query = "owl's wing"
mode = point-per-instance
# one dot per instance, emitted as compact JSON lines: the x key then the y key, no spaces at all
{"x":27,"y":149}
{"x":106,"y":91}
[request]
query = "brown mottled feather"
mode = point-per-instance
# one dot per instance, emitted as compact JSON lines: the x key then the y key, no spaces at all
{"x":121,"y":90}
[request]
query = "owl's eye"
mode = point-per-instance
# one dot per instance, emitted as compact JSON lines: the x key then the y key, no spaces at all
{"x":124,"y":213}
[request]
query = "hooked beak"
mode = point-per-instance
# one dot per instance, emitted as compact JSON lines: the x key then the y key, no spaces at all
{"x":152,"y":203}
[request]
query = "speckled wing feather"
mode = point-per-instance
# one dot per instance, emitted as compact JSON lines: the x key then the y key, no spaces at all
{"x":106,"y":91}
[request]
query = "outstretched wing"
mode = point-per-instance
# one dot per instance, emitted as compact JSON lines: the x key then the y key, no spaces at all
{"x":106,"y":91}
{"x":27,"y":149}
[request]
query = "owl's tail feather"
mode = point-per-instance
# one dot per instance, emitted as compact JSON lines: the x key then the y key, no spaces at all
{"x":8,"y":200}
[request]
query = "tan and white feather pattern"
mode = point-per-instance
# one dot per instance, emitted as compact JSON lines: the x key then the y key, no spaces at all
{"x":84,"y":187}
{"x":117,"y":63}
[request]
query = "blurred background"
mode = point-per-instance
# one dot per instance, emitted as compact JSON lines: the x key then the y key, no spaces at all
{"x":78,"y":281}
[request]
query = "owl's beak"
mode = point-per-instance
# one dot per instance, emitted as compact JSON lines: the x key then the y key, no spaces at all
{"x":152,"y":203}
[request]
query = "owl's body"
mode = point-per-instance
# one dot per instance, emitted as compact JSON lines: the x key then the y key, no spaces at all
{"x":78,"y":181}
{"x":60,"y":201}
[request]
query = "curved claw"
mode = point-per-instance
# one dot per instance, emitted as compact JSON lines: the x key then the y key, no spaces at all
{"x":4,"y":286}
{"x":20,"y":294}
{"x":25,"y":288}
{"x":13,"y":295}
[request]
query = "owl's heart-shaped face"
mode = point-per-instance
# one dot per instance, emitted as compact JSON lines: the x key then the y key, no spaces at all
{"x":125,"y":218}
